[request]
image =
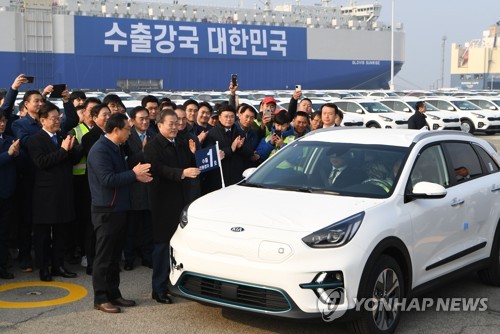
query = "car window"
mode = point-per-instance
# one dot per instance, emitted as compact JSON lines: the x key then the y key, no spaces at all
{"x":464,"y":161}
{"x":431,"y":167}
{"x":345,"y":169}
{"x":489,"y":163}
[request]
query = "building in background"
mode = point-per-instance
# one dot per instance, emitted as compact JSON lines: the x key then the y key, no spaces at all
{"x":476,"y":64}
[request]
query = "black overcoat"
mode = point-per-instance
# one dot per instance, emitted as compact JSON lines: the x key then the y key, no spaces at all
{"x":169,"y":193}
{"x":53,"y":188}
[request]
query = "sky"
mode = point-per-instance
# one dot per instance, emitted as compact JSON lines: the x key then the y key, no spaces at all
{"x":425,"y":23}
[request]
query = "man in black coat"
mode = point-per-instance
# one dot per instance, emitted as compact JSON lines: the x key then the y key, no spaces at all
{"x":172,"y":165}
{"x":139,"y":226}
{"x":236,"y":151}
{"x":53,"y":204}
{"x":110,"y":180}
{"x":417,"y":120}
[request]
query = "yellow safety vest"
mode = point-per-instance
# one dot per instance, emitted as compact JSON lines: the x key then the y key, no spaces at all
{"x":80,"y":168}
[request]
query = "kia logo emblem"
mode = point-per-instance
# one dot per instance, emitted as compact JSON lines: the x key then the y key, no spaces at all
{"x":237,"y":229}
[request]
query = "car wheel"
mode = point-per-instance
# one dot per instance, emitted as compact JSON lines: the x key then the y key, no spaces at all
{"x":374,"y":125}
{"x":491,"y":274}
{"x":467,"y":126}
{"x":384,"y":284}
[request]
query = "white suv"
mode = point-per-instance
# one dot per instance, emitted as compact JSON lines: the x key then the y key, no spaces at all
{"x":473,"y":118}
{"x":344,"y":215}
{"x":436,"y":119}
{"x":374,"y":113}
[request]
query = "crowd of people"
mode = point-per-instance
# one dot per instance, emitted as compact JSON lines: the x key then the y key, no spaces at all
{"x":92,"y":184}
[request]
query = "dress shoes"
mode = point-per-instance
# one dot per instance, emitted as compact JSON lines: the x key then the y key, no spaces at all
{"x":63,"y":272}
{"x":161,"y":298}
{"x":5,"y":274}
{"x":45,"y":275}
{"x":123,"y":302}
{"x":26,"y":266}
{"x":107,"y":307}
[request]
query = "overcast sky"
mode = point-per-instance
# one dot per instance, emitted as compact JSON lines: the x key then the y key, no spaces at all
{"x":425,"y":23}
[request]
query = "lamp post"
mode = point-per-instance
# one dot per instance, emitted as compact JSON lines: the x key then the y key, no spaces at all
{"x":442,"y":61}
{"x":391,"y":83}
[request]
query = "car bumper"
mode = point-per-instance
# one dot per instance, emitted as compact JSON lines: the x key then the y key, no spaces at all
{"x":288,"y":289}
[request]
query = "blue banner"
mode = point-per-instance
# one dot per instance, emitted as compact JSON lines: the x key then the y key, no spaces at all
{"x":136,"y":37}
{"x":206,"y":159}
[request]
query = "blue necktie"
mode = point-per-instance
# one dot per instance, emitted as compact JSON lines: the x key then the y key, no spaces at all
{"x":54,"y":139}
{"x":142,"y":137}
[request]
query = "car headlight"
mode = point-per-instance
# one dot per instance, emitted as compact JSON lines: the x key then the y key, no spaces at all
{"x":183,"y":219}
{"x":478,"y":115}
{"x":335,"y":235}
{"x":434,"y":117}
{"x":387,"y":119}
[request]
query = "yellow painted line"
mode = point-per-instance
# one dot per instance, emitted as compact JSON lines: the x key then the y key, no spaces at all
{"x":76,"y":292}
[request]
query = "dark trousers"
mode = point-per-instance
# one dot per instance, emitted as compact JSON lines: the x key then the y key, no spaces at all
{"x":139,"y":235}
{"x":161,"y":267}
{"x":5,"y":221}
{"x":50,"y":241}
{"x":110,"y":235}
{"x":78,"y":232}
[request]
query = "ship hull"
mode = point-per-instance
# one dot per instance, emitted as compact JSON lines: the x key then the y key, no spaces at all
{"x":101,"y":53}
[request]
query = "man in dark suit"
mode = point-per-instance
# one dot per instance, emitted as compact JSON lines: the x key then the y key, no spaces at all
{"x":100,"y":114}
{"x":139,"y":225}
{"x":172,"y":166}
{"x":53,"y":204}
{"x":9,"y":151}
{"x":342,"y":172}
{"x":110,"y":180}
{"x":417,"y":120}
{"x":236,"y":151}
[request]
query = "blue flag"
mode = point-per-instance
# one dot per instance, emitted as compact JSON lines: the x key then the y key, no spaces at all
{"x":206,"y":159}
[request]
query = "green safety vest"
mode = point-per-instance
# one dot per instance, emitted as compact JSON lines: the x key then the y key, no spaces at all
{"x":80,"y":168}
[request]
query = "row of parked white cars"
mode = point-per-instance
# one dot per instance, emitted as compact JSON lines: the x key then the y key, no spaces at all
{"x":378,"y":109}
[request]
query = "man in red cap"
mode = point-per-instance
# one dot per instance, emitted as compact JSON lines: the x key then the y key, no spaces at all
{"x":263,"y":123}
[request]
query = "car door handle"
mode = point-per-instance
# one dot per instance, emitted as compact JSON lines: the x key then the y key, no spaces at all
{"x":457,"y":201}
{"x":495,"y":188}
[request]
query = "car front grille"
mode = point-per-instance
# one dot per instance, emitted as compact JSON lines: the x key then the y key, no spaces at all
{"x":234,"y":293}
{"x":450,"y":120}
{"x":353,"y":124}
{"x":493,"y":118}
{"x":401,"y":122}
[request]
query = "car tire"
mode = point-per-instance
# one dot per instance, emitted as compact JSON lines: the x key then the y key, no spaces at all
{"x":374,"y":125}
{"x":467,"y":126}
{"x":491,"y":274}
{"x":386,"y":273}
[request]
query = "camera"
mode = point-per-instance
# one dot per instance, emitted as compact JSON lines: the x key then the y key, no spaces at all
{"x":234,"y":79}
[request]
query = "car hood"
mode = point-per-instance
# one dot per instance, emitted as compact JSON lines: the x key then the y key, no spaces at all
{"x":275,"y":209}
{"x":394,"y":116}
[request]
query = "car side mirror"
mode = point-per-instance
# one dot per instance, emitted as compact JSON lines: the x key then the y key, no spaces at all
{"x":359,"y":111}
{"x":451,"y":109}
{"x":247,"y":172}
{"x":426,"y":189}
{"x":493,"y":108}
{"x":406,"y":109}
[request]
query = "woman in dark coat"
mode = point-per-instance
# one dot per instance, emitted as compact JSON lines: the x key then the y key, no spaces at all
{"x":53,"y":204}
{"x":171,"y":166}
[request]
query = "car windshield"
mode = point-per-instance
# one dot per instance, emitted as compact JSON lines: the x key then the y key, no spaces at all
{"x":465,"y":105}
{"x":332,"y":168}
{"x":375,"y":107}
